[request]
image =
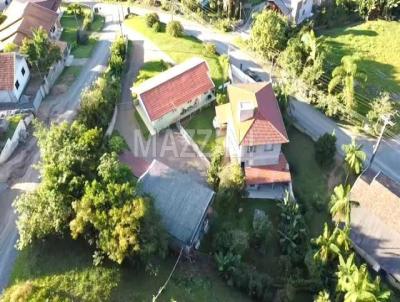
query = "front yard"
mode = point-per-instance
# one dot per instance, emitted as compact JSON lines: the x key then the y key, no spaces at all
{"x":182,"y":48}
{"x":69,"y":33}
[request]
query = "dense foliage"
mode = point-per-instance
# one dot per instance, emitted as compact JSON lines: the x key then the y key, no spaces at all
{"x":41,"y":52}
{"x":325,"y":149}
{"x":175,"y":29}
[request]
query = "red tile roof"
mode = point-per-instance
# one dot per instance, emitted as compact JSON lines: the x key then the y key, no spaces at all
{"x":278,"y":173}
{"x":268,"y":126}
{"x":7,"y":63}
{"x":22,"y":19}
{"x":177,"y":90}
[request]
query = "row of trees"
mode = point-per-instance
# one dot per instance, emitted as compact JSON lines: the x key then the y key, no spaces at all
{"x":301,"y":56}
{"x":85,"y":190}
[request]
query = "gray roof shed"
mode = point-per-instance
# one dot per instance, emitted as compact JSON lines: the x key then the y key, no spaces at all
{"x":181,"y":201}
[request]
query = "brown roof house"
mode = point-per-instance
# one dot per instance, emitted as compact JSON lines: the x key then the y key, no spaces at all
{"x":255,"y":133}
{"x":14,"y":77}
{"x":22,"y":17}
{"x":375,"y":222}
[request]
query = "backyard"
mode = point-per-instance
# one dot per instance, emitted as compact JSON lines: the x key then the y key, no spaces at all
{"x":377,"y":43}
{"x":188,"y":47}
{"x":69,"y":34}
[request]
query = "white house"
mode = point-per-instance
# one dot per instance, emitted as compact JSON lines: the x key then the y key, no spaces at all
{"x":296,"y":10}
{"x":254,"y":133}
{"x":175,"y":94}
{"x":14,"y":76}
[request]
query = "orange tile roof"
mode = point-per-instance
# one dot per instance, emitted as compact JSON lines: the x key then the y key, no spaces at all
{"x":180,"y":88}
{"x":22,"y":19}
{"x":278,"y":173}
{"x":266,"y":127}
{"x":7,"y":63}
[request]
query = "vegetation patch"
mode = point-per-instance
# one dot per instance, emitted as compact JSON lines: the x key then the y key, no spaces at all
{"x":377,"y":43}
{"x":151,"y":69}
{"x":182,"y":48}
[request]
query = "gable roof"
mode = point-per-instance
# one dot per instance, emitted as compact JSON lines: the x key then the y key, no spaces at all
{"x":49,"y":4}
{"x":375,"y":223}
{"x":7,"y":74}
{"x":174,"y":87}
{"x":22,"y":19}
{"x":181,"y":202}
{"x":266,"y":126}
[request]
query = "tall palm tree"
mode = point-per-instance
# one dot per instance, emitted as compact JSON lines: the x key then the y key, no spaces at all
{"x":354,"y":157}
{"x":356,"y":284}
{"x":340,"y":203}
{"x":328,"y":245}
{"x":346,"y":75}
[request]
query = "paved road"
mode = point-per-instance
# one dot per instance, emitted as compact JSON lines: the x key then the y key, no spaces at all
{"x":64,"y":107}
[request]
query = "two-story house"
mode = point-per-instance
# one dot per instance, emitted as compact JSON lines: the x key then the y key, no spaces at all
{"x":296,"y":10}
{"x":254,"y":133}
{"x":14,"y":77}
{"x":174,"y":94}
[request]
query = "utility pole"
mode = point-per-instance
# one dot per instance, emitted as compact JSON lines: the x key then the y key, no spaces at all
{"x":387,"y":120}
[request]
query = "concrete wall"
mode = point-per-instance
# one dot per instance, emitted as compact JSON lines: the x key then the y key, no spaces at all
{"x":179,"y":113}
{"x":261,"y":156}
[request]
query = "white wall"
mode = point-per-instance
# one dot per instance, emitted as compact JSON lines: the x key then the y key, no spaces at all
{"x":172,"y":117}
{"x":22,"y":79}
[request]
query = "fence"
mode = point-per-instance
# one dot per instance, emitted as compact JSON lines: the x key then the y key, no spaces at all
{"x":12,"y":143}
{"x":192,"y":143}
{"x":48,"y":82}
{"x":111,"y":126}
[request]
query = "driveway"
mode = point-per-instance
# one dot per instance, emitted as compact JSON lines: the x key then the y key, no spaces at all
{"x":169,"y":147}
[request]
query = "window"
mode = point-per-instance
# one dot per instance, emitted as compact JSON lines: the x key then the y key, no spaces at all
{"x":268,"y":147}
{"x":209,"y":96}
{"x":23,"y":71}
{"x":17,"y":84}
{"x":251,"y":149}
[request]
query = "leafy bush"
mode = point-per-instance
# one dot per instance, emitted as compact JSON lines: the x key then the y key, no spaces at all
{"x":82,"y":37}
{"x":221,"y":98}
{"x":262,"y":227}
{"x":231,"y":240}
{"x":10,"y":47}
{"x":175,"y":29}
{"x":87,"y":22}
{"x":217,"y":156}
{"x":75,"y":9}
{"x":2,"y":18}
{"x":209,"y":49}
{"x":151,"y":18}
{"x":116,"y":143}
{"x":325,"y":149}
{"x":156,"y":27}
{"x":232,"y":178}
{"x":166,"y":5}
{"x":225,"y":24}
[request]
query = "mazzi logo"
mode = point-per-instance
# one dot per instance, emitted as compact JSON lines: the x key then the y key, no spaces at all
{"x":171,"y":143}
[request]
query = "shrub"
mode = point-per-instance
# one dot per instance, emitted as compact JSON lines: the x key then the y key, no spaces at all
{"x":224,"y":24}
{"x":116,"y":144}
{"x":325,"y":149}
{"x":151,"y":18}
{"x":166,"y":5}
{"x":217,"y":156}
{"x":82,"y":37}
{"x":2,"y":18}
{"x":10,"y":47}
{"x":209,"y":49}
{"x":232,"y":178}
{"x":87,"y":22}
{"x":222,"y":98}
{"x":156,"y":27}
{"x":231,"y":240}
{"x":262,"y":227}
{"x":175,"y":29}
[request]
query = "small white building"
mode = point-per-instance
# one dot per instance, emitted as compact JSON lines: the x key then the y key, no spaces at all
{"x":14,"y":77}
{"x":254,"y":133}
{"x":296,"y":10}
{"x":174,"y":94}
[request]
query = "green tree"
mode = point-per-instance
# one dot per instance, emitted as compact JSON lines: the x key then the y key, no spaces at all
{"x":380,"y":108}
{"x":232,"y":178}
{"x":175,"y":29}
{"x":75,"y":9}
{"x":269,"y":33}
{"x":10,"y":47}
{"x":323,"y":296}
{"x":327,"y":243}
{"x":354,"y":157}
{"x":314,"y":62}
{"x":356,"y":284}
{"x":41,"y":52}
{"x":346,"y":75}
{"x":292,"y":59}
{"x":69,"y":156}
{"x":340,"y":203}
{"x":325,"y":149}
{"x":217,"y":156}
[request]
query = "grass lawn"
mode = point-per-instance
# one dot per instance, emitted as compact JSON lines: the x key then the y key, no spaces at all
{"x":70,"y":27}
{"x":13,"y":123}
{"x":149,"y":70}
{"x":377,"y":43}
{"x":181,"y":49}
{"x":68,"y":75}
{"x":199,"y":125}
{"x":67,"y":271}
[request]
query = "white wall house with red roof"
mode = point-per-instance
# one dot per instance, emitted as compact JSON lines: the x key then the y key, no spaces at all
{"x":14,"y":76}
{"x":174,"y":94}
{"x":255,"y":133}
